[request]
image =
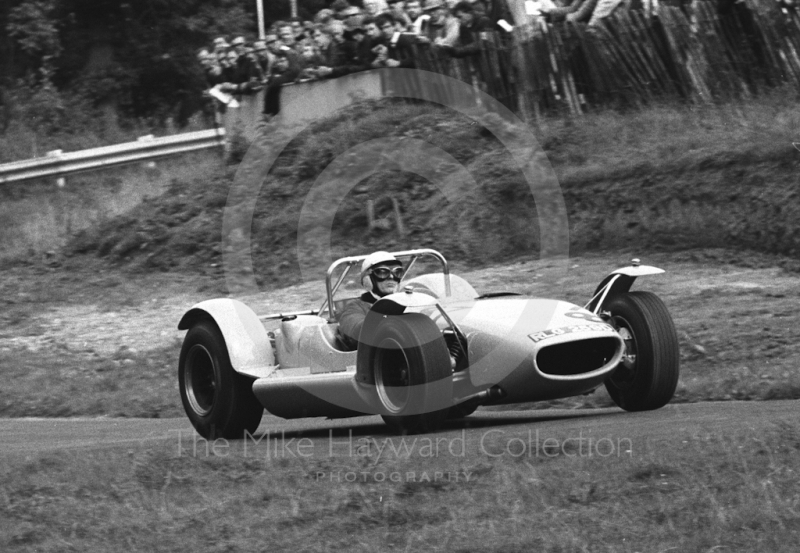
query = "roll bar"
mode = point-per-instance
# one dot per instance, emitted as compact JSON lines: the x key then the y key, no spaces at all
{"x":350,"y":262}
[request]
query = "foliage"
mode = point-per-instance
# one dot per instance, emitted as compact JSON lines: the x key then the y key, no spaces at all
{"x":32,"y":24}
{"x":138,"y":58}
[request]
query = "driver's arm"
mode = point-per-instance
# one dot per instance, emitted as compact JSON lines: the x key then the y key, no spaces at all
{"x":352,"y":319}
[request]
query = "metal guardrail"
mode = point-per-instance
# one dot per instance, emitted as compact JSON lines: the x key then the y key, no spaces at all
{"x":146,"y":148}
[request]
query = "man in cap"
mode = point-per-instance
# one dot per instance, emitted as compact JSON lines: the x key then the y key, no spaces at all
{"x":351,"y":17}
{"x":287,"y":67}
{"x":247,"y":67}
{"x":211,"y":68}
{"x":443,"y":28}
{"x":381,"y":273}
{"x":361,"y":51}
{"x":220,"y":45}
{"x":239,"y":44}
{"x":263,"y":56}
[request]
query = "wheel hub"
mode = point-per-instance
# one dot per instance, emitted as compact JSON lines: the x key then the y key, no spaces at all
{"x":200,"y":378}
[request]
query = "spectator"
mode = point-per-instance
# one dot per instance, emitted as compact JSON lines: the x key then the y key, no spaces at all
{"x":230,"y":70}
{"x":273,"y":46}
{"x":351,"y":17}
{"x":419,"y":20}
{"x":395,"y":47}
{"x":576,"y":11}
{"x":262,"y":56}
{"x":220,"y":45}
{"x":603,"y":9}
{"x":375,"y":7}
{"x":312,"y":60}
{"x":211,"y":68}
{"x":442,"y":28}
{"x":471,"y":25}
{"x":256,"y":73}
{"x":496,"y":10}
{"x":334,"y":53}
{"x":361,"y":54}
{"x":248,"y":69}
{"x":287,"y":36}
{"x":238,"y":44}
{"x":398,"y":10}
{"x":286,"y":69}
{"x":339,"y":7}
{"x":298,"y":30}
{"x":337,"y":30}
{"x":372,"y":30}
{"x":324,"y":17}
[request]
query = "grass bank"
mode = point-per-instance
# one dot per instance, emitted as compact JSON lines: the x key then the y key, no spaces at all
{"x":37,"y":217}
{"x":668,"y":178}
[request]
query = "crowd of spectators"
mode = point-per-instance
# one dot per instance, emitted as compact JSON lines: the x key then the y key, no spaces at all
{"x":381,"y":33}
{"x":345,"y":39}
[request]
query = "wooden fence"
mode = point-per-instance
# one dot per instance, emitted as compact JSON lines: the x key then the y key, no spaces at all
{"x":633,"y":58}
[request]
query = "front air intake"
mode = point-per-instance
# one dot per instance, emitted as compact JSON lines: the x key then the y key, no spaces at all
{"x":574,"y":358}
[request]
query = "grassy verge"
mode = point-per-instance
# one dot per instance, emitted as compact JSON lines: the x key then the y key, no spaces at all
{"x":61,"y":380}
{"x":733,"y":492}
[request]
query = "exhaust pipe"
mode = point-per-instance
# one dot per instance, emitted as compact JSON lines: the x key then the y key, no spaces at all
{"x":495,"y":392}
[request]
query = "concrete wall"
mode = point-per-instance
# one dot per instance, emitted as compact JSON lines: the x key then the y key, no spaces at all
{"x":304,"y":102}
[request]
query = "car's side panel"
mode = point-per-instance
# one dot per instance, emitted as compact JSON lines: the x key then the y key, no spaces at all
{"x":333,"y":395}
{"x":246,"y":339}
{"x":309,"y":342}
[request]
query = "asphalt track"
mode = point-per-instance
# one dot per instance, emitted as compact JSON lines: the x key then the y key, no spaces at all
{"x":493,"y":431}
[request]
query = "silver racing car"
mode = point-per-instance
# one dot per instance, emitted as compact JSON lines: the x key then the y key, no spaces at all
{"x":434,"y":350}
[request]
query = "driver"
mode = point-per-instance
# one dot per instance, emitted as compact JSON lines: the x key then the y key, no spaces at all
{"x":380,"y":275}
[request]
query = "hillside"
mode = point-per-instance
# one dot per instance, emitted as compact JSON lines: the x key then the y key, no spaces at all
{"x":665,"y":179}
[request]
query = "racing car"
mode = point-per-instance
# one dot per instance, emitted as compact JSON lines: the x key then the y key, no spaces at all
{"x":434,"y":350}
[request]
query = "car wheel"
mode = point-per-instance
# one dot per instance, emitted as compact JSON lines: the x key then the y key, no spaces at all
{"x":218,"y":401}
{"x":647,"y":375}
{"x":413,"y":378}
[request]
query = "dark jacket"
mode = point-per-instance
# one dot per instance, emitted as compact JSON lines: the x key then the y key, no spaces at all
{"x":469,"y":36}
{"x":401,"y":48}
{"x":337,"y":57}
{"x":352,"y":318}
{"x":362,"y":55}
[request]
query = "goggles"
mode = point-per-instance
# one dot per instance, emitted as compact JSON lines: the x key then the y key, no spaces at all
{"x":383,"y":273}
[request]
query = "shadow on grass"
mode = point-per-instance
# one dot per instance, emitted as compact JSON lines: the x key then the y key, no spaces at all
{"x":331,"y":429}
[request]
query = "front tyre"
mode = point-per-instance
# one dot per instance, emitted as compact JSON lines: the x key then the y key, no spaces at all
{"x":218,"y":401}
{"x":647,"y":375}
{"x":413,"y":376}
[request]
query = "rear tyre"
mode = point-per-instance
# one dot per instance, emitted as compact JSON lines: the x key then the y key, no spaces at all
{"x":218,"y":401}
{"x":647,"y":376}
{"x":411,"y":367}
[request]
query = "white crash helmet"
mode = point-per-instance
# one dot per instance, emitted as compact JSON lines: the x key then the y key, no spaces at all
{"x":373,"y":259}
